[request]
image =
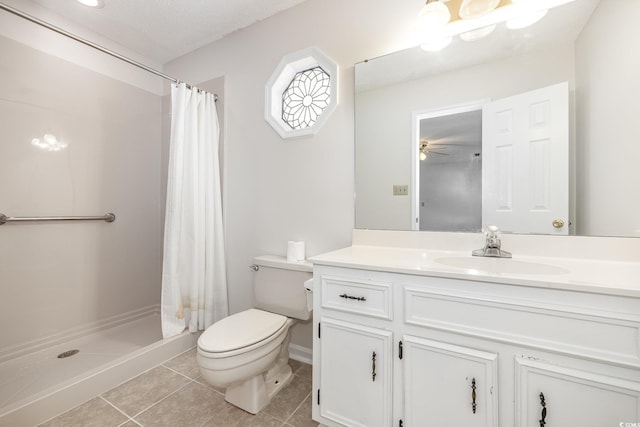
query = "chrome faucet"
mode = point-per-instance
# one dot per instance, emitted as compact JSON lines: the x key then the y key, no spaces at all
{"x":492,"y":244}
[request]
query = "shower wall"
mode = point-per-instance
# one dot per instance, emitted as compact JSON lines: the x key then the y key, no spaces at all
{"x":60,"y":278}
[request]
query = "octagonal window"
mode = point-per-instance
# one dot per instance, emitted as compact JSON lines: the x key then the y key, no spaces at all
{"x":306,"y":97}
{"x":301,"y":93}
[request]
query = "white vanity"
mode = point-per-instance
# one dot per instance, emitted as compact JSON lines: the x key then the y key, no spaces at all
{"x":411,"y":330}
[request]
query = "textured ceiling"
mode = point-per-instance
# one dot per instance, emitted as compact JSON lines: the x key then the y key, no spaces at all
{"x":163,"y":30}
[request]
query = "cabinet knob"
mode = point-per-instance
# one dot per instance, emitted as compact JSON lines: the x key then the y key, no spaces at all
{"x":558,"y":223}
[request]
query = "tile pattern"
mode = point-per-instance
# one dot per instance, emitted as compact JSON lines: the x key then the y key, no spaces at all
{"x":174,"y":394}
{"x":143,"y":391}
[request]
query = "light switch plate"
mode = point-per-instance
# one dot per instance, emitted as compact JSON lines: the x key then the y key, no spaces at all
{"x":400,"y":190}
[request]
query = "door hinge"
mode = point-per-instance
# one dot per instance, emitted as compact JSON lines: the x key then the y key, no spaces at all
{"x":400,"y":349}
{"x":318,"y":396}
{"x":318,"y":329}
{"x":400,"y":423}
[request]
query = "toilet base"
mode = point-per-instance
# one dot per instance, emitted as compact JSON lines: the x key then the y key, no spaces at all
{"x":255,"y":393}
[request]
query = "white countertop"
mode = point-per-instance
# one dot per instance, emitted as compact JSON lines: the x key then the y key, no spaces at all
{"x":610,"y":277}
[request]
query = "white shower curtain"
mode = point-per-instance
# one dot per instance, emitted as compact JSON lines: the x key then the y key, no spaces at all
{"x":194,"y":285}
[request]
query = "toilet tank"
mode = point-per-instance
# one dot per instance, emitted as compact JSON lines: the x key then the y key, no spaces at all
{"x":278,"y":286}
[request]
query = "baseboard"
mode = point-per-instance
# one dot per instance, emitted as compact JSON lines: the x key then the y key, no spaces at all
{"x":301,"y":354}
{"x":69,"y":334}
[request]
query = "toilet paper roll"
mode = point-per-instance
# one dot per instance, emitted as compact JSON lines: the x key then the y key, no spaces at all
{"x":295,"y":251}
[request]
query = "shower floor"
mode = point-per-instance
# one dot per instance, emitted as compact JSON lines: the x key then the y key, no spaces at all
{"x":38,"y":374}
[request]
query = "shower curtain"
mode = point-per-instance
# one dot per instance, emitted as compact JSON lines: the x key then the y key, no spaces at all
{"x":194,"y":288}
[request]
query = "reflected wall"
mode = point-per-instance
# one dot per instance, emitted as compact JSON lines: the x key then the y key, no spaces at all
{"x":383,"y":123}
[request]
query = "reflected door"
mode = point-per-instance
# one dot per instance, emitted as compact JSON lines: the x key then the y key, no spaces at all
{"x":525,"y":173}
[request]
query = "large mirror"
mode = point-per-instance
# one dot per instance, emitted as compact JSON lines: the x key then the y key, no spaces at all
{"x":422,"y":119}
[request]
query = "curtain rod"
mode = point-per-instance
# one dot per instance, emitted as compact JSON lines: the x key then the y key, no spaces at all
{"x":86,"y":42}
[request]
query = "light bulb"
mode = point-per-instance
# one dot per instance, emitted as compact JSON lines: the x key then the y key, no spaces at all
{"x":471,"y":9}
{"x":433,"y":16}
{"x":423,"y":155}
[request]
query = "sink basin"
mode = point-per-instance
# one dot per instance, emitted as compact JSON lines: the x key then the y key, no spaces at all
{"x":500,"y":265}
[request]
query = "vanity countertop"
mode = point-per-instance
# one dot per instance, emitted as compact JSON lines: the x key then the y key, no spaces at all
{"x":620,"y":278}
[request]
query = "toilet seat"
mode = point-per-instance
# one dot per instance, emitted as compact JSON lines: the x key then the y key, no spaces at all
{"x":241,"y":332}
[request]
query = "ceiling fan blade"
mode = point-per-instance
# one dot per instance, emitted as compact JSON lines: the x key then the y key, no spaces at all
{"x":449,"y":144}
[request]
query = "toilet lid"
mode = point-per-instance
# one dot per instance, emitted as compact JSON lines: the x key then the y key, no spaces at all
{"x":240,"y":330}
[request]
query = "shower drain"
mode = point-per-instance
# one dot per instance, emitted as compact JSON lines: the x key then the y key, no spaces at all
{"x":68,"y":353}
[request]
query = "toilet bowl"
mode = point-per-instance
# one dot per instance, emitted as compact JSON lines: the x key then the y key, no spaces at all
{"x":247,"y":353}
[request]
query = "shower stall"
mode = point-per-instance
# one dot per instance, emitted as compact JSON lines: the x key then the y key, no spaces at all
{"x":79,"y":298}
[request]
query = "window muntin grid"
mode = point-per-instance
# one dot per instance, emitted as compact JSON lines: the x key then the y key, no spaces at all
{"x":306,"y":97}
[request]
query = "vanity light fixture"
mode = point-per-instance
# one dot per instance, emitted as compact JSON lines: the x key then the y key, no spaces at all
{"x":477,"y":18}
{"x":472,"y":9}
{"x":433,"y":15}
{"x":92,"y":3}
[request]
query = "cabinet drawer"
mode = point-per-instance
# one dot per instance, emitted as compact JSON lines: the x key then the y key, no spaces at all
{"x":552,"y":326}
{"x":370,"y":298}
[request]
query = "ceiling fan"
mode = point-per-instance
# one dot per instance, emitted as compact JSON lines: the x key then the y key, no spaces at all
{"x":425,"y":149}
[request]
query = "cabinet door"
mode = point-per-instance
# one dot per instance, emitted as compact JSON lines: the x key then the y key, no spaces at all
{"x":554,"y":396}
{"x":355,"y":374}
{"x":448,"y":385}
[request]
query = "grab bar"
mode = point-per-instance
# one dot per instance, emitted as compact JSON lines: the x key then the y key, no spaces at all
{"x":109,"y":217}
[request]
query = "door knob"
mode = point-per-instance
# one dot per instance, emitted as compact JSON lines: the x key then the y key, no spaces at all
{"x":558,"y":223}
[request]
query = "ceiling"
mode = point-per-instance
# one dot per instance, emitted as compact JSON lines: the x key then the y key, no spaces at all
{"x":457,"y":135}
{"x":163,"y":30}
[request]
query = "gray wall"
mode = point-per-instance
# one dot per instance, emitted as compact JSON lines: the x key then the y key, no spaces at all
{"x":607,"y":148}
{"x":451,"y":193}
{"x":278,"y":190}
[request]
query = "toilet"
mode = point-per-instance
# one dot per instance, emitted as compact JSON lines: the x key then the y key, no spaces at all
{"x":247,"y":353}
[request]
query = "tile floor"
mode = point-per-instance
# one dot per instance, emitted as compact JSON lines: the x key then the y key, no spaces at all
{"x":174,"y":394}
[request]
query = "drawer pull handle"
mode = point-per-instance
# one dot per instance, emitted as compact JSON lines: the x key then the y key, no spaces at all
{"x":373,"y":366}
{"x":345,"y":296}
{"x":473,"y":395}
{"x":544,"y":410}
